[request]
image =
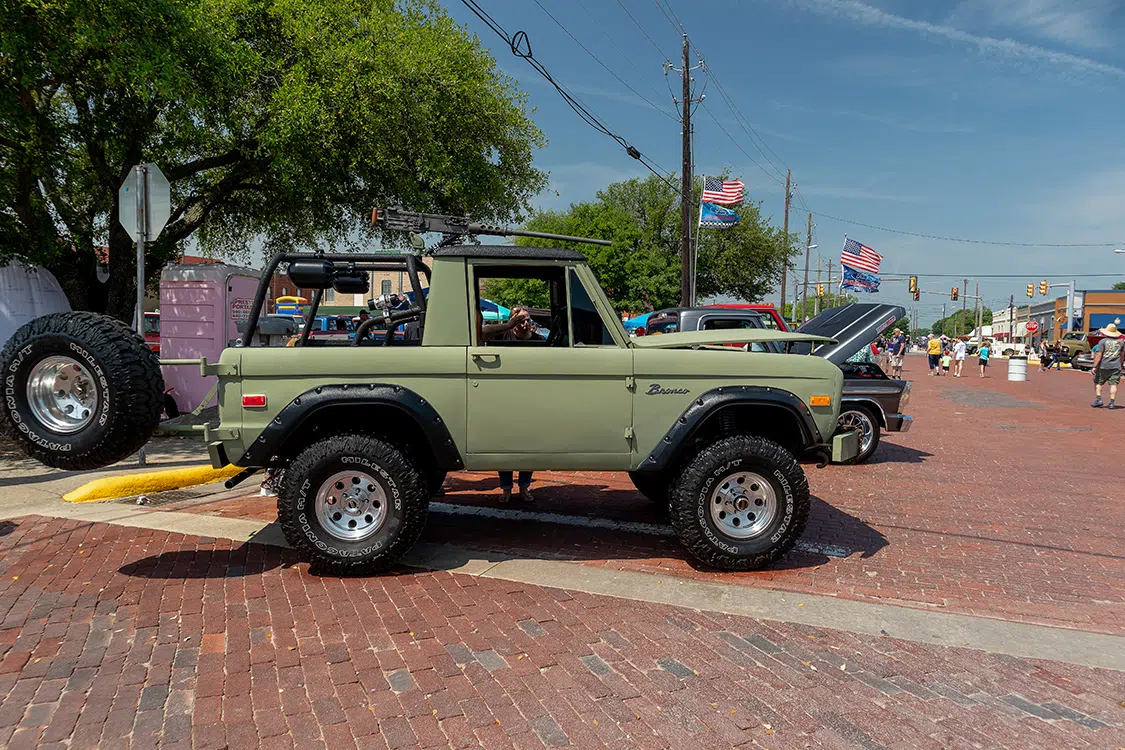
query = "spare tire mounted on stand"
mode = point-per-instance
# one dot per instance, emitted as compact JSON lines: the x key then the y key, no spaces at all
{"x":79,"y":390}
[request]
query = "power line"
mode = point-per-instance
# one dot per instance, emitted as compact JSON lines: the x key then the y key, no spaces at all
{"x":520,"y":45}
{"x":972,"y":242}
{"x":1062,"y":275}
{"x":737,"y":144}
{"x":679,"y":27}
{"x":599,"y":61}
{"x":642,"y":28}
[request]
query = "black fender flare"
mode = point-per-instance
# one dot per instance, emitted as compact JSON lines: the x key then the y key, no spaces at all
{"x":299,"y":410}
{"x":715,"y":399}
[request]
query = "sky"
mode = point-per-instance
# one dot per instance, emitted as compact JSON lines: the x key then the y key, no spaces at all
{"x":996,"y":120}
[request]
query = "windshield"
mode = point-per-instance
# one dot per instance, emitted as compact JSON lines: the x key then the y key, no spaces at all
{"x":663,"y":324}
{"x":152,"y":323}
{"x":1074,"y":337}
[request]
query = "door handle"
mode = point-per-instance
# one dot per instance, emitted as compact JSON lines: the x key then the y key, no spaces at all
{"x":493,"y":359}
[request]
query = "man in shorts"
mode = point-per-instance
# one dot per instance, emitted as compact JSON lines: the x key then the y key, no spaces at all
{"x":898,"y":353}
{"x":1108,"y":357}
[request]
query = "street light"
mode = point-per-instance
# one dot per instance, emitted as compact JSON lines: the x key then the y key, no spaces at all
{"x":1120,"y":251}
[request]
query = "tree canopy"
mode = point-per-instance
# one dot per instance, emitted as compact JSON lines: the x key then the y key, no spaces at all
{"x":282,"y":120}
{"x":960,"y":323}
{"x":641,"y":270}
{"x":1120,"y":286}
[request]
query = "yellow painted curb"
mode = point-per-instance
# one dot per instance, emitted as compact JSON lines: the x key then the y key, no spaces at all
{"x":111,"y":488}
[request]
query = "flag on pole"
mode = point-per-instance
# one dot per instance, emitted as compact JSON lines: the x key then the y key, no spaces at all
{"x":859,"y":281}
{"x":861,"y":267}
{"x":719,"y":217}
{"x":860,"y":257}
{"x":722,"y":192}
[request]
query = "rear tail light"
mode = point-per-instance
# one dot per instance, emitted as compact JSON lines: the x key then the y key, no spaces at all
{"x":254,"y":400}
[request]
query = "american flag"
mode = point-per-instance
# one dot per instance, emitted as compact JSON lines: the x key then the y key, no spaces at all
{"x":723,"y":192}
{"x":860,"y":257}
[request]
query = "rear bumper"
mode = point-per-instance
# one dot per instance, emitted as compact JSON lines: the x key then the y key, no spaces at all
{"x":845,"y":446}
{"x":899,"y":423}
{"x":218,"y":454}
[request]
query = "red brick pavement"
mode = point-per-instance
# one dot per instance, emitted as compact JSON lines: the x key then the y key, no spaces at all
{"x":127,"y":638}
{"x":1000,"y":502}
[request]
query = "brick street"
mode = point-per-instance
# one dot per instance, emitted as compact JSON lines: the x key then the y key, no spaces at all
{"x":997,"y":506}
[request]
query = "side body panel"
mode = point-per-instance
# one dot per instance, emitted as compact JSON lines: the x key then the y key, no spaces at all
{"x":436,"y":373}
{"x":670,"y":380}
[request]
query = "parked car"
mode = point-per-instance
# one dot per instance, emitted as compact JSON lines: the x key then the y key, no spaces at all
{"x":871,"y":401}
{"x":152,"y":330}
{"x":771,"y":317}
{"x":1083,"y":361}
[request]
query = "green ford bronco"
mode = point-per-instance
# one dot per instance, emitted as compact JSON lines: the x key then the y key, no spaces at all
{"x":366,"y":429}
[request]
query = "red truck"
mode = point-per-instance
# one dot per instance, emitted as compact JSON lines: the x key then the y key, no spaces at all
{"x":770,"y":315}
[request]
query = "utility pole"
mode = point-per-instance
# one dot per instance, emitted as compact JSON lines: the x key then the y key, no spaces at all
{"x":808,"y":250}
{"x":816,"y":302}
{"x":785,"y":228}
{"x":964,"y":302}
{"x":978,"y":314}
{"x":830,"y":282}
{"x":685,"y":188}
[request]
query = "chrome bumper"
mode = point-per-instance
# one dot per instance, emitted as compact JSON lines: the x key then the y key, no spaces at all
{"x":899,"y":423}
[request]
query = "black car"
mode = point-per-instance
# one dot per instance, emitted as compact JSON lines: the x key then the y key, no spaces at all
{"x":872,"y":402}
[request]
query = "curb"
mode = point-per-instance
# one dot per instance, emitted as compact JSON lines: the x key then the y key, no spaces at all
{"x":111,"y":488}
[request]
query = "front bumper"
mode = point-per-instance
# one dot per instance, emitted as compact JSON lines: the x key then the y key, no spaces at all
{"x":899,"y":423}
{"x":845,"y":445}
{"x":218,"y":454}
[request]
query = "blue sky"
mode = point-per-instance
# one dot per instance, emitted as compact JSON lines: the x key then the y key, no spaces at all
{"x":985,"y":119}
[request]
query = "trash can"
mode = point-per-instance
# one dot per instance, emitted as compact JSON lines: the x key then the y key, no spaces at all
{"x":1017,"y":368}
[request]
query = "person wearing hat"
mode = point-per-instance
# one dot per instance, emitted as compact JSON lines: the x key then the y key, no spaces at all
{"x":898,"y":353}
{"x":1108,"y":357}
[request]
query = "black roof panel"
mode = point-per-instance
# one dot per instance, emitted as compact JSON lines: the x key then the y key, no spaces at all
{"x":516,"y":252}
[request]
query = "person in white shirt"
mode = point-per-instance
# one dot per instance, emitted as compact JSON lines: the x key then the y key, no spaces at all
{"x":959,"y":353}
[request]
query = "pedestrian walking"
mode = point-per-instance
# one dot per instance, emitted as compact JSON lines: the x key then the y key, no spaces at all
{"x":1044,"y":357}
{"x":1108,"y":357}
{"x":933,"y":350}
{"x":946,"y":362}
{"x":960,"y":351}
{"x":983,"y":355}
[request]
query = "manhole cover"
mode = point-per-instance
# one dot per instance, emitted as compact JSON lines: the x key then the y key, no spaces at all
{"x":989,"y":400}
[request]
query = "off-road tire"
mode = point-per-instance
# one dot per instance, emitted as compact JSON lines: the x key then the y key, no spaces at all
{"x":404,"y":486}
{"x":124,"y":372}
{"x":692,"y":496}
{"x":434,"y":482}
{"x":656,"y":486}
{"x":876,"y":435}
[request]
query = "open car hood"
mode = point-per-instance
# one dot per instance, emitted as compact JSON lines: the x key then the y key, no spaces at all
{"x":695,"y":339}
{"x":852,"y":326}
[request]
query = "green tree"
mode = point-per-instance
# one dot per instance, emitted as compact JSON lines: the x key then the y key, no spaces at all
{"x":281,"y":120}
{"x":1119,"y":286}
{"x":641,"y":269}
{"x":948,"y":325}
{"x":826,"y":302}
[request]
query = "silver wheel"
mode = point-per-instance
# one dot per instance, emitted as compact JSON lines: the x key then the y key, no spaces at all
{"x":351,"y":506}
{"x":860,"y":421}
{"x":743,"y":505}
{"x":62,"y":394}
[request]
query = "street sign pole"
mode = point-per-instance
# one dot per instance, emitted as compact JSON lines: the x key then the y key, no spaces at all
{"x":141,"y":172}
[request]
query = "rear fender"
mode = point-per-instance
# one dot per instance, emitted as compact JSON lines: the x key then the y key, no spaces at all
{"x":754,"y":410}
{"x":414,"y":420}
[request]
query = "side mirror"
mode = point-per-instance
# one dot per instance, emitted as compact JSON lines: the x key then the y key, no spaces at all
{"x":311,"y":274}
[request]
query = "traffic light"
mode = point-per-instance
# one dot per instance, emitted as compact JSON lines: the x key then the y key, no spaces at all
{"x":820,"y":290}
{"x":917,"y":295}
{"x":1044,"y":287}
{"x":954,"y":293}
{"x":1030,"y":290}
{"x":914,"y":286}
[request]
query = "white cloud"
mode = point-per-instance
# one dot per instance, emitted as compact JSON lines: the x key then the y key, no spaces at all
{"x":1007,"y":49}
{"x":1084,"y":24}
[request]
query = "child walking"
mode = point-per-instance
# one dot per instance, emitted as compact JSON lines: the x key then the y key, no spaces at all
{"x":946,"y":361}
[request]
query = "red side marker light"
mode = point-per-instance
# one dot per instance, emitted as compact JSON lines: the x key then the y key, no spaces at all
{"x":254,"y":399}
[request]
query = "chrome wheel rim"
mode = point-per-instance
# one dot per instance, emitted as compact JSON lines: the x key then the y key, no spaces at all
{"x":861,"y":423}
{"x":62,"y":395}
{"x":743,"y":505}
{"x":351,"y":505}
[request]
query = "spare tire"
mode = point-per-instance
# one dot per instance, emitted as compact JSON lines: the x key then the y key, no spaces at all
{"x":80,"y":390}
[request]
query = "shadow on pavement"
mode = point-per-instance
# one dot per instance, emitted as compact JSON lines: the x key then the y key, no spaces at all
{"x":7,"y":527}
{"x":891,"y":453}
{"x":247,"y":560}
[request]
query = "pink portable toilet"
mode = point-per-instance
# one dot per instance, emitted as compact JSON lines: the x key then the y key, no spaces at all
{"x":200,"y":308}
